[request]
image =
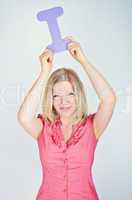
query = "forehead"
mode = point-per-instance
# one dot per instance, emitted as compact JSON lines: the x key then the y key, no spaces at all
{"x":63,"y":86}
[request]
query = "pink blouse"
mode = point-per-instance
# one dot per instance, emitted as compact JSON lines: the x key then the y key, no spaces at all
{"x":67,"y":166}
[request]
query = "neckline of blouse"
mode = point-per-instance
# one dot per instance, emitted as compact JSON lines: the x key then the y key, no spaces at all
{"x":58,"y":137}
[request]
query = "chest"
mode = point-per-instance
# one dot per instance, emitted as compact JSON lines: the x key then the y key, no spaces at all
{"x":66,"y":132}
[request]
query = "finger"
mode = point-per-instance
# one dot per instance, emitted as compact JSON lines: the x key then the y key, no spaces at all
{"x":44,"y":54}
{"x":47,"y":55}
{"x":46,"y":50}
{"x":73,"y":48}
{"x":73,"y":44}
{"x":70,"y":38}
{"x":49,"y":50}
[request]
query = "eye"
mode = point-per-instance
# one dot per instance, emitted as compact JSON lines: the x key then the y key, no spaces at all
{"x":55,"y":96}
{"x":71,"y":93}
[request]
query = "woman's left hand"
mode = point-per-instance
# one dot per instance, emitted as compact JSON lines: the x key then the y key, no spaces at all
{"x":75,"y":50}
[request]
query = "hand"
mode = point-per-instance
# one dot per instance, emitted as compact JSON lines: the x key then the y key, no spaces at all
{"x":46,"y":60}
{"x":75,"y":50}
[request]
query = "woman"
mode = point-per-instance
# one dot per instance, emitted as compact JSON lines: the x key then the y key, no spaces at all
{"x":65,"y":133}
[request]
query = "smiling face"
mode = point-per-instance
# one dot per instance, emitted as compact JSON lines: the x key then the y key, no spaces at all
{"x":64,"y":99}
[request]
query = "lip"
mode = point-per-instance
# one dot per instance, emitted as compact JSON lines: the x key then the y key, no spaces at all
{"x":65,"y":108}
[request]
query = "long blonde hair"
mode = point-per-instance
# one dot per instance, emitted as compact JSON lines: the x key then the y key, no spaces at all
{"x":64,"y":74}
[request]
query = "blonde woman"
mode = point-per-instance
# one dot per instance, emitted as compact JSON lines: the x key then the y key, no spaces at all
{"x":65,"y":133}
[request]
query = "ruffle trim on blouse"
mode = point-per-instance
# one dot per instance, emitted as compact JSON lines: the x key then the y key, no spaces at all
{"x":77,"y":133}
{"x":54,"y":131}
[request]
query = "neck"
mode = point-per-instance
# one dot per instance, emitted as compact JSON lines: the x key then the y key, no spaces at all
{"x":67,"y":121}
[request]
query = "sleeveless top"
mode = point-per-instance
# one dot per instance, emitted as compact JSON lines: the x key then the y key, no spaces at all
{"x":67,"y":166}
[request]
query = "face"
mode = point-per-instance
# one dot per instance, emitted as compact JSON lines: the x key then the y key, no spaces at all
{"x":64,"y":99}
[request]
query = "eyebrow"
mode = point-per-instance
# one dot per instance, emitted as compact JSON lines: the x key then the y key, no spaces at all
{"x":55,"y":93}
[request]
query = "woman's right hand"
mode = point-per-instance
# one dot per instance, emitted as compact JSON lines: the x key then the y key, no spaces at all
{"x":46,"y":60}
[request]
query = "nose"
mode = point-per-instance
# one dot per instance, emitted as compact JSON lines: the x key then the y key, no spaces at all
{"x":64,"y":100}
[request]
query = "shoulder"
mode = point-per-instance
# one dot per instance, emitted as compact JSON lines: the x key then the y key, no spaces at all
{"x":91,"y":122}
{"x":90,"y":117}
{"x":41,"y":117}
{"x":44,"y":125}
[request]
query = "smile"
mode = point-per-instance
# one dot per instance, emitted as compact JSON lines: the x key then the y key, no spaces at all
{"x":65,"y":108}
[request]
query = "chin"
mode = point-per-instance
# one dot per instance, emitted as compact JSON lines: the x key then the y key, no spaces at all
{"x":66,"y":113}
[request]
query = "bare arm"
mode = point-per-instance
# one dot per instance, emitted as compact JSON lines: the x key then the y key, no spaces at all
{"x":27,"y":111}
{"x":31,"y":101}
{"x":106,"y":97}
{"x":102,"y":88}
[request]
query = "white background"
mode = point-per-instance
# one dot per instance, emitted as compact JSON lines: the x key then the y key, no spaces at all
{"x":104,"y":30}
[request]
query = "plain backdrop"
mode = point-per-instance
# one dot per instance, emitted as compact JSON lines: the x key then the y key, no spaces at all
{"x":104,"y":31}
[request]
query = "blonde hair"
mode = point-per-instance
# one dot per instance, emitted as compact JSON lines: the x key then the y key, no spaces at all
{"x":64,"y":74}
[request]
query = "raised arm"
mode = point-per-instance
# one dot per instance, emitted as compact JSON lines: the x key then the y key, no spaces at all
{"x":27,"y":111}
{"x":105,"y":93}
